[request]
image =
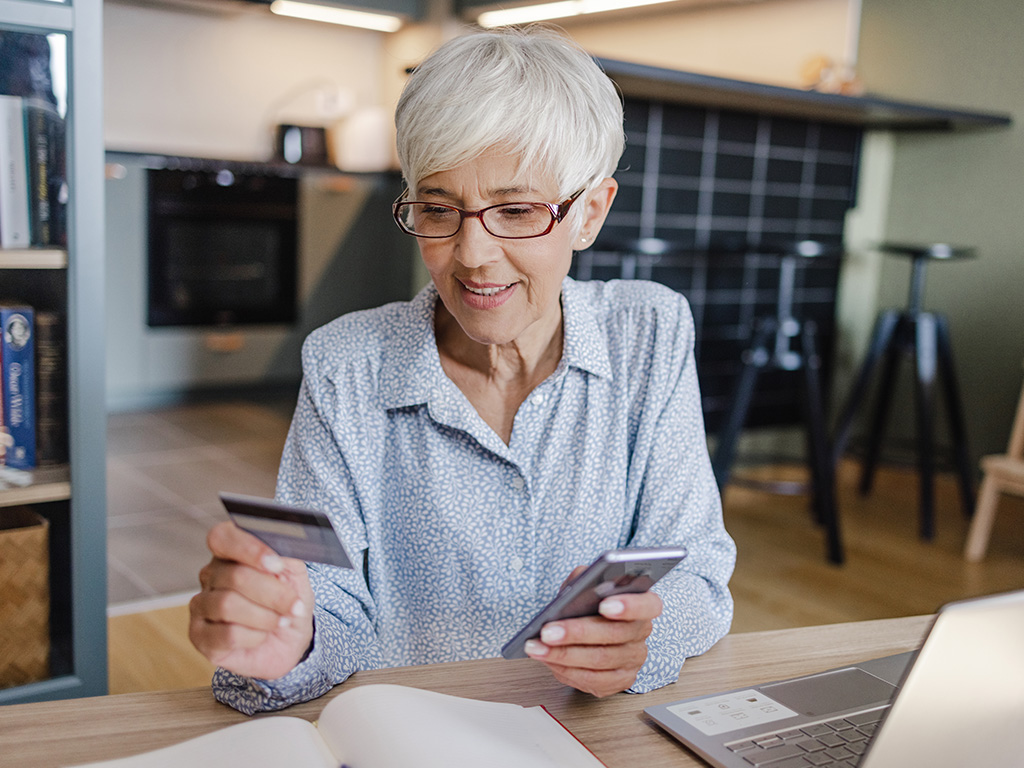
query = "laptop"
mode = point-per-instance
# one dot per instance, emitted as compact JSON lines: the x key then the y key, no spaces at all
{"x":958,"y":702}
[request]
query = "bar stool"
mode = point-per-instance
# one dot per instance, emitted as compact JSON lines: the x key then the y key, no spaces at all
{"x":926,"y":336}
{"x":630,"y":259}
{"x":771,"y":348}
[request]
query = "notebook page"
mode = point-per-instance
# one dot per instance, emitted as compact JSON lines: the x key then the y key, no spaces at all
{"x":268,"y":742}
{"x":388,"y":726}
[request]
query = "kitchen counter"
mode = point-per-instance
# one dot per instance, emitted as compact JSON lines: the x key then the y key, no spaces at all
{"x":869,"y":111}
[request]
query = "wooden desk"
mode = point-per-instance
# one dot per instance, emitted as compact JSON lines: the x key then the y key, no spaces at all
{"x":83,"y":730}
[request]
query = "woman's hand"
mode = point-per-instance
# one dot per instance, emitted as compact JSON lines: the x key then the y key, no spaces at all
{"x":602,"y":654}
{"x":254,"y":615}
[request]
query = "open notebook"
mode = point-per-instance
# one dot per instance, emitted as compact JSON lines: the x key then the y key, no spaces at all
{"x":384,"y":726}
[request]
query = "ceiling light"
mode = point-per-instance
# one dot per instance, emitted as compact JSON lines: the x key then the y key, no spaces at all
{"x":335,"y":15}
{"x":556,"y":10}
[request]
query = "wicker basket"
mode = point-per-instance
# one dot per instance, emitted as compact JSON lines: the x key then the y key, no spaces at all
{"x":24,"y":597}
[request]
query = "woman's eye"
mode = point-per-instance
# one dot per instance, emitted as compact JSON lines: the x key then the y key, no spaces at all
{"x":518,"y":211}
{"x":435,"y":210}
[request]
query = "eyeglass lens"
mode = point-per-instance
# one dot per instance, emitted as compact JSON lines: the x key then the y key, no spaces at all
{"x":511,"y":220}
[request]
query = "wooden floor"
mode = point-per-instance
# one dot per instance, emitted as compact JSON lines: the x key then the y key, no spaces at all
{"x":782,"y":578}
{"x":150,"y":651}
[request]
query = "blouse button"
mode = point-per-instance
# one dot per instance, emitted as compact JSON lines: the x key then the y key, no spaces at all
{"x":518,"y":483}
{"x":516,"y":563}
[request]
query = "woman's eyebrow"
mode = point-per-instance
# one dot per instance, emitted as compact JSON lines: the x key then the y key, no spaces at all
{"x":433,"y":192}
{"x":442,"y":192}
{"x":505,"y":191}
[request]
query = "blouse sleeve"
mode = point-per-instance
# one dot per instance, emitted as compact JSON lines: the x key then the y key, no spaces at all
{"x":314,"y":474}
{"x":680,"y":504}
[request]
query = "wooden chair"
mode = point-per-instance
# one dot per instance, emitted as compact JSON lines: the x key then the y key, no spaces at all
{"x":1004,"y":473}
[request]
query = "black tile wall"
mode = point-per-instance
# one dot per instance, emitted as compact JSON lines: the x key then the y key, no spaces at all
{"x":726,"y":189}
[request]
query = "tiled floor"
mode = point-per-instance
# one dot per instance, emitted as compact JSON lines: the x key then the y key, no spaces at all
{"x":164,"y":469}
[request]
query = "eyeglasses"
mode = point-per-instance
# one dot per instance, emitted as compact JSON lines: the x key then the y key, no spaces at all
{"x":512,"y":221}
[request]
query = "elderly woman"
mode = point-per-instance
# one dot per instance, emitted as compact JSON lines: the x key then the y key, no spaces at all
{"x":508,"y":424}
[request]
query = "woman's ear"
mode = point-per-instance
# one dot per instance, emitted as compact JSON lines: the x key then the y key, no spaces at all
{"x":599,"y":201}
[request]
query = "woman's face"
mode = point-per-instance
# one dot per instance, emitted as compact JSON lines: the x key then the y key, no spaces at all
{"x":500,"y":291}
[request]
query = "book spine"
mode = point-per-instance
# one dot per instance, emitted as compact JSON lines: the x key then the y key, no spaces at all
{"x":58,"y":183}
{"x":17,"y":365}
{"x":37,"y":137}
{"x":3,"y":429}
{"x":51,"y":389}
{"x":14,"y":218}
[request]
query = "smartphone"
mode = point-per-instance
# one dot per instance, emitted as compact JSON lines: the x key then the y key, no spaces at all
{"x":305,"y":534}
{"x":614,"y":572}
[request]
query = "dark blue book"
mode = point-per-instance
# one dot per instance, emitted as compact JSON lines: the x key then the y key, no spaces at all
{"x":44,"y":139}
{"x":17,"y":365}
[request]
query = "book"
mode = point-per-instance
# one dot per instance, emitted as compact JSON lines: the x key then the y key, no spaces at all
{"x":6,"y":441}
{"x":58,"y":184}
{"x":51,"y":395}
{"x":17,"y":368}
{"x":44,"y":148}
{"x":384,"y":726}
{"x":14,"y":213}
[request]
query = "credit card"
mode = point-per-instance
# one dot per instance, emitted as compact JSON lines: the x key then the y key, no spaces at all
{"x":305,"y":534}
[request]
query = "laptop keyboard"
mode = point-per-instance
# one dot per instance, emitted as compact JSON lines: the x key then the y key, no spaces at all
{"x":837,"y":743}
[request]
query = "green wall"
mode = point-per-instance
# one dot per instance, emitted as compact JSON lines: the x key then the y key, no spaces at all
{"x":964,"y":188}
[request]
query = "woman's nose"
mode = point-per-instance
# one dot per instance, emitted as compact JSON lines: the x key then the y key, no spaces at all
{"x":474,"y":245}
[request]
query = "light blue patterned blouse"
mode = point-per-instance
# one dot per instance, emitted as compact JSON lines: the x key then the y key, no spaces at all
{"x":459,"y":538}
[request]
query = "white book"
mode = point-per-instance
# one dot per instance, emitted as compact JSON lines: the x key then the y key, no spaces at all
{"x":384,"y":726}
{"x":14,"y":217}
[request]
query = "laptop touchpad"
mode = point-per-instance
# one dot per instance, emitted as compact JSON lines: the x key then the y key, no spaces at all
{"x":831,"y":692}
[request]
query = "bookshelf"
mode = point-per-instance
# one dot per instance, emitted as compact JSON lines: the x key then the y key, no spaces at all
{"x":33,"y":258}
{"x":67,"y":280}
{"x":45,"y":485}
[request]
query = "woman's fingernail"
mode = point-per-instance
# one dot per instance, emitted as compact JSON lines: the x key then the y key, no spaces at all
{"x":535,"y":648}
{"x":273,"y":563}
{"x":284,"y":622}
{"x":552,"y":633}
{"x":298,"y":608}
{"x":611,"y":607}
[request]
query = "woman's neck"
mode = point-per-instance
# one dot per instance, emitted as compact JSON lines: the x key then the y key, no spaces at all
{"x":531,"y":357}
{"x":497,"y":378}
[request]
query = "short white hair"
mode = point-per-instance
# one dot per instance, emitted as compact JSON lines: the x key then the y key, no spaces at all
{"x":528,"y":91}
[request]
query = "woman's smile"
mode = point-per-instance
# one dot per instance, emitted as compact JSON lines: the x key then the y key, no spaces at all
{"x":486,"y":295}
